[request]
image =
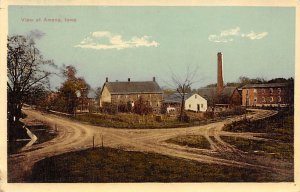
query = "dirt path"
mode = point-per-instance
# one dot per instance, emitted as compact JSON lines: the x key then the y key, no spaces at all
{"x":74,"y":136}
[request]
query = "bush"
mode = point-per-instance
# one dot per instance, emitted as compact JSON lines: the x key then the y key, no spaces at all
{"x":141,"y":107}
{"x":185,"y":118}
{"x":109,"y":108}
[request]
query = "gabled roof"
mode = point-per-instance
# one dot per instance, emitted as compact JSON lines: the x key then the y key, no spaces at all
{"x":176,"y":97}
{"x":212,"y":92}
{"x":265,"y":85}
{"x":133,"y":87}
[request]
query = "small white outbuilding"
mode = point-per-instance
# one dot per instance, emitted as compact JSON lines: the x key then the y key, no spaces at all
{"x":194,"y":102}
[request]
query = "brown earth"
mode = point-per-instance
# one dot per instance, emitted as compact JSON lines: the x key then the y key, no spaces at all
{"x":73,"y":136}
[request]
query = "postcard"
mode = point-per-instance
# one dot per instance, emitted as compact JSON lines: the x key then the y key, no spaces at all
{"x":182,"y":96}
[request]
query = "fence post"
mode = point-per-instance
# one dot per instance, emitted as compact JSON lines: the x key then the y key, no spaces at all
{"x":93,"y":141}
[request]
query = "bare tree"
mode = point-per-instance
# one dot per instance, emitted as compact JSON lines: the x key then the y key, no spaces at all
{"x":183,"y":85}
{"x":27,"y":73}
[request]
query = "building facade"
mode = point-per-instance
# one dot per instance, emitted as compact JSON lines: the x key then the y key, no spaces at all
{"x":193,"y":102}
{"x":128,"y":92}
{"x":268,"y":94}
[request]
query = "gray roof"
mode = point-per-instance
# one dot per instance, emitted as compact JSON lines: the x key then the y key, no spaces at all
{"x":133,"y":87}
{"x":176,"y":97}
{"x":212,"y":92}
{"x":265,"y":85}
{"x":91,"y":94}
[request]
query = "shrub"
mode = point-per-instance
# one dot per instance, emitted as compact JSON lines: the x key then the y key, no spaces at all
{"x":142,"y":107}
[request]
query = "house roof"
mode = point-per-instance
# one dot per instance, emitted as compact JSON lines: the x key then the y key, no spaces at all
{"x":176,"y":97}
{"x":212,"y":92}
{"x":265,"y":85}
{"x":91,"y":94}
{"x":133,"y":87}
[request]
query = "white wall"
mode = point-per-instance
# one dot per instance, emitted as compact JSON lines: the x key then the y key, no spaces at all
{"x":192,"y":103}
{"x":105,"y":96}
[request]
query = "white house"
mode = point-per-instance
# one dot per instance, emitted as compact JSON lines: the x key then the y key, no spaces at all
{"x":193,"y":102}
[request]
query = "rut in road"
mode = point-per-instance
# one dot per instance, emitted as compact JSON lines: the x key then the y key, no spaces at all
{"x":73,"y":136}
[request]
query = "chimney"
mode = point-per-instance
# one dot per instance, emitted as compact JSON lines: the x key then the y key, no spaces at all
{"x":128,"y":79}
{"x":106,"y":79}
{"x":154,"y":79}
{"x":220,"y":83}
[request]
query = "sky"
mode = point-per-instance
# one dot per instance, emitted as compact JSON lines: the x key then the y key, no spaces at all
{"x":143,"y":42}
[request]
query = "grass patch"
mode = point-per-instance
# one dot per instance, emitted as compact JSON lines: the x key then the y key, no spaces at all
{"x":135,"y":121}
{"x":196,"y":141}
{"x":113,"y":165}
{"x":281,"y":123}
{"x":131,"y":120}
{"x":279,"y":128}
{"x":280,"y":150}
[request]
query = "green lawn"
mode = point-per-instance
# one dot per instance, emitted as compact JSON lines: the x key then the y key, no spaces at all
{"x":113,"y":165}
{"x":196,"y":141}
{"x":276,"y":149}
{"x":279,"y":129}
{"x":131,"y":120}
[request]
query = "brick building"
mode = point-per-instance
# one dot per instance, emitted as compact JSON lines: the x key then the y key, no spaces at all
{"x":268,"y":94}
{"x":128,"y":92}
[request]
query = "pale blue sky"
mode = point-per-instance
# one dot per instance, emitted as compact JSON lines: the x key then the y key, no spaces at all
{"x":142,"y":42}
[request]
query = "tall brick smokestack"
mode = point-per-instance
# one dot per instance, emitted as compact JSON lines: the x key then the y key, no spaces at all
{"x":220,"y":83}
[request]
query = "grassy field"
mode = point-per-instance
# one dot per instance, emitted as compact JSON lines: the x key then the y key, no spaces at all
{"x":131,"y":120}
{"x":279,"y":129}
{"x":113,"y":165}
{"x":196,"y":141}
{"x":280,"y":150}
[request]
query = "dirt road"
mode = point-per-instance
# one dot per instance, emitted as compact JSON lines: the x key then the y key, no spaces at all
{"x":74,"y":136}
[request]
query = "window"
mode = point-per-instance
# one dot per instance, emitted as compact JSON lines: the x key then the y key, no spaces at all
{"x":255,"y":90}
{"x":201,"y":105}
{"x":271,"y":90}
{"x":255,"y":99}
{"x":189,"y":105}
{"x":126,"y":96}
{"x":279,"y":99}
{"x":195,"y":96}
{"x":279,"y":90}
{"x":138,"y":96}
{"x":271,"y":99}
{"x":263,"y":91}
{"x":263,"y":99}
